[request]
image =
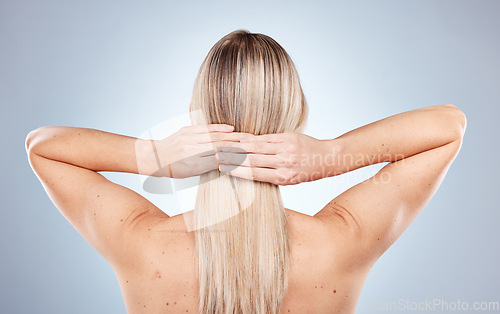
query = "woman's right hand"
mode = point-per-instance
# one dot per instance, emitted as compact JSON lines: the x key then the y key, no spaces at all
{"x":281,"y":159}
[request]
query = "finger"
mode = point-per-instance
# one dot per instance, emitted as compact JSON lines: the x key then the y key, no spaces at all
{"x":205,"y":128}
{"x":255,"y":174}
{"x":239,"y":148}
{"x":249,"y":160}
{"x":208,"y":149}
{"x":269,"y":138}
{"x":219,"y":137}
{"x":253,"y":147}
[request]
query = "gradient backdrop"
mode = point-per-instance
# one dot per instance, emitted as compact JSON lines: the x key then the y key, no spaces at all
{"x":124,"y":67}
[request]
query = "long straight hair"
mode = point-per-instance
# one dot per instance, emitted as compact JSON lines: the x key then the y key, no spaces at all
{"x":242,"y":243}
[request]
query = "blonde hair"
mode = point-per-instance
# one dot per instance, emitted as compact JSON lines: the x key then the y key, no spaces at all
{"x":241,"y":231}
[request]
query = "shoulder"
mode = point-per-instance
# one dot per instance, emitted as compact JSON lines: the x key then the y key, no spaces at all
{"x":328,"y":240}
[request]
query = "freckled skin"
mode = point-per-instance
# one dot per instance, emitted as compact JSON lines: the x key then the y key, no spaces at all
{"x":167,"y":277}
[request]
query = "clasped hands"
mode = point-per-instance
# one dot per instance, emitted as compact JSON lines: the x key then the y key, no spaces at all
{"x":281,"y":159}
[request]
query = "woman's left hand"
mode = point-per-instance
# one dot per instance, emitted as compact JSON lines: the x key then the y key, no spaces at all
{"x":191,"y":150}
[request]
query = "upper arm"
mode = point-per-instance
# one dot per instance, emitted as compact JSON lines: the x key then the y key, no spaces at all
{"x":111,"y":217}
{"x":379,"y":209}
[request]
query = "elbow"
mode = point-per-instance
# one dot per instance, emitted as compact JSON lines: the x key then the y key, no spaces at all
{"x":459,"y":119}
{"x":28,"y":143}
{"x":30,"y":140}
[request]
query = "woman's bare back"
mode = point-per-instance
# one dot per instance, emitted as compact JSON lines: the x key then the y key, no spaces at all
{"x":322,"y":279}
{"x":331,"y":253}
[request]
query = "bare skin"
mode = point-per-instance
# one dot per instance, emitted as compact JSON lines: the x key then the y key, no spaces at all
{"x":321,"y":279}
{"x":332,"y":252}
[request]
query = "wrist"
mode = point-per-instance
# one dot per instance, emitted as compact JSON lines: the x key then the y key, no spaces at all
{"x":333,"y":157}
{"x":147,"y":157}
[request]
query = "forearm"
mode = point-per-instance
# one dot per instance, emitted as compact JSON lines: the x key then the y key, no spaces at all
{"x":93,"y":149}
{"x":397,"y":137}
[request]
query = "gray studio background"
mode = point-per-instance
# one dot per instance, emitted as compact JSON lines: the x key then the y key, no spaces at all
{"x":124,"y":66}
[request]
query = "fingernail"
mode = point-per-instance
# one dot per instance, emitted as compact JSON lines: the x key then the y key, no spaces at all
{"x":229,"y":127}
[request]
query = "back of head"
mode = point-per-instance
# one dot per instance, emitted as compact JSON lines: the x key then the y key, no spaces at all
{"x":242,"y":245}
